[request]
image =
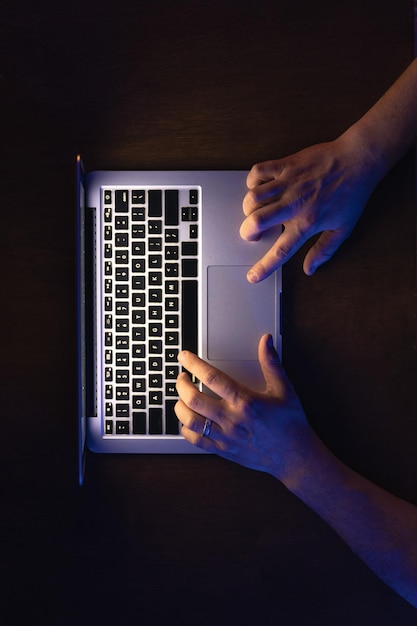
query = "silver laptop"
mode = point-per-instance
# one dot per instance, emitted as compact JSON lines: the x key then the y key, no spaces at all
{"x":162,"y":268}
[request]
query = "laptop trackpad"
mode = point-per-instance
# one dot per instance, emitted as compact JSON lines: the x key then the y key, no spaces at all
{"x":238,"y":313}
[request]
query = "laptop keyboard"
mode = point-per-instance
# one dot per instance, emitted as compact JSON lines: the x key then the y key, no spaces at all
{"x":149,"y":291}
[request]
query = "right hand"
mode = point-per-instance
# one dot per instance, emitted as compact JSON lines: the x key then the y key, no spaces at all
{"x":322,"y":189}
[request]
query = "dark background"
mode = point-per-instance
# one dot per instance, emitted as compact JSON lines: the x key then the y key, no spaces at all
{"x":195,"y":85}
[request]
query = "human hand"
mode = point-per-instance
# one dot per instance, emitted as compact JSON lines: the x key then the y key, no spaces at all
{"x":322,"y":189}
{"x":264,"y":431}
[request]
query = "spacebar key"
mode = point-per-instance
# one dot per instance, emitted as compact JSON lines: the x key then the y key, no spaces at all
{"x":189,"y":325}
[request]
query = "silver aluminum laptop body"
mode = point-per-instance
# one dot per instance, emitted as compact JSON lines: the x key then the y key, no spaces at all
{"x":232,"y":314}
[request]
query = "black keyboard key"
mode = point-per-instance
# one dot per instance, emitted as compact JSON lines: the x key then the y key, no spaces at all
{"x":171,"y":304}
{"x":139,"y":368}
{"x":189,"y":320}
{"x":155,"y":330}
{"x":171,"y":270}
{"x":122,"y":240}
{"x":171,"y":207}
{"x":122,"y":257}
{"x":172,"y":371}
{"x":155,"y":381}
{"x":171,"y":389}
{"x":171,"y":287}
{"x":139,"y":402}
{"x":155,"y":421}
{"x":139,"y":385}
{"x":155,"y":397}
{"x":171,"y":321}
{"x":171,"y":253}
{"x":139,"y":351}
{"x":138,"y":214}
{"x":155,"y":278}
{"x":171,"y":235}
{"x":155,"y":295}
{"x":139,"y":423}
{"x":108,"y":392}
{"x":122,"y":410}
{"x":138,"y":333}
{"x":138,"y":283}
{"x":122,"y":359}
{"x":139,"y":231}
{"x":122,"y":342}
{"x":138,"y":299}
{"x":138,"y":317}
{"x":171,"y":355}
{"x":155,"y":203}
{"x":155,"y":244}
{"x":121,"y":201}
{"x":122,"y":273}
{"x":189,"y":248}
{"x":121,"y":222}
{"x":171,"y":338}
{"x":138,"y":196}
{"x":155,"y":313}
{"x":189,"y":268}
{"x":189,"y":214}
{"x":171,"y":420}
{"x":122,"y":376}
{"x":155,"y":364}
{"x":138,"y":265}
{"x":122,"y":393}
{"x":155,"y":347}
{"x":193,"y":196}
{"x":155,"y":227}
{"x":122,"y":428}
{"x":138,"y":248}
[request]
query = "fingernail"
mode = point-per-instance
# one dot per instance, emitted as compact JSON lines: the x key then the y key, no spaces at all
{"x":270,"y":342}
{"x":252,"y":277}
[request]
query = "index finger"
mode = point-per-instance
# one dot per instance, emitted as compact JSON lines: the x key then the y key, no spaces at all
{"x":214,"y":379}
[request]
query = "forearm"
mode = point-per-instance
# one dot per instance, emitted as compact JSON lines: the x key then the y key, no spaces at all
{"x":379,"y":527}
{"x":388,"y":130}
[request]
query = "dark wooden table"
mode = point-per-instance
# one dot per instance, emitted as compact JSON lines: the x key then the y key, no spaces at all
{"x":196,"y":85}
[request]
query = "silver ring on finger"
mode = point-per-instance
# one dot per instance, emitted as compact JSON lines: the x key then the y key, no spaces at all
{"x":206,"y":428}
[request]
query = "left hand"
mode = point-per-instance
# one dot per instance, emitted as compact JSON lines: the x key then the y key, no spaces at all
{"x":265,"y":431}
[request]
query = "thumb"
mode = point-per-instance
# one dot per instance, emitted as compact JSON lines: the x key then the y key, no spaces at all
{"x":272,"y":369}
{"x":324,"y":248}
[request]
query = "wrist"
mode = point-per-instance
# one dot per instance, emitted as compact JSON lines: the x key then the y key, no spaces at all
{"x":362,"y":158}
{"x":304,"y":452}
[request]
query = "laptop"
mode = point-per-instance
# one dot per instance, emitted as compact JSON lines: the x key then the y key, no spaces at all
{"x":162,"y":267}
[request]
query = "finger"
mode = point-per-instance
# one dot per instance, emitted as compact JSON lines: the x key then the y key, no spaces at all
{"x":192,"y":427}
{"x":201,"y":442}
{"x":264,"y":218}
{"x":272,"y":368}
{"x":284,"y":248}
{"x":324,"y":248}
{"x":198,"y":402}
{"x":263,"y":172}
{"x":214,"y":379}
{"x":261,"y":195}
{"x":192,"y":420}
